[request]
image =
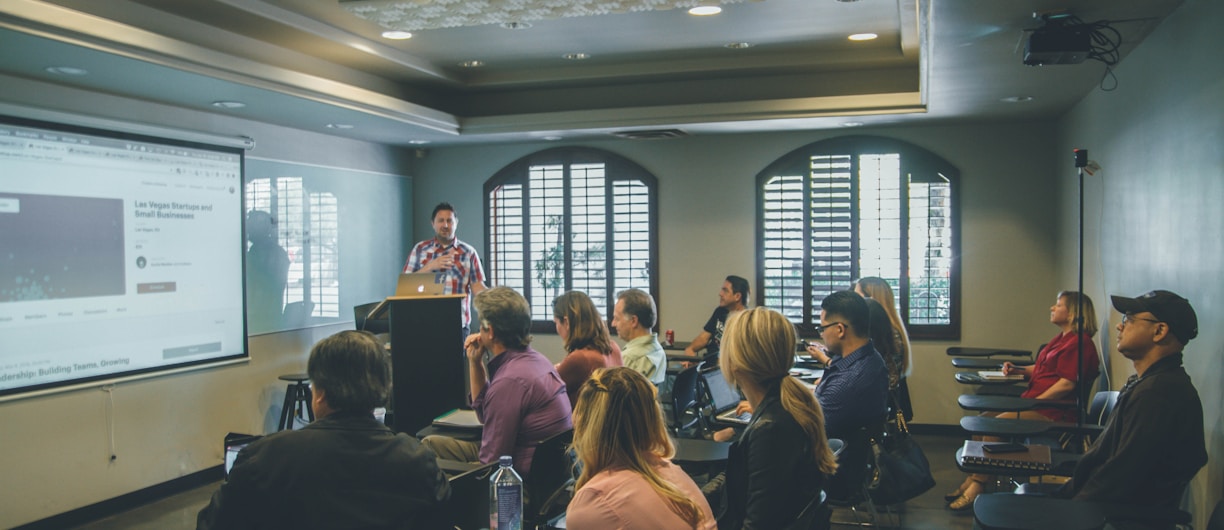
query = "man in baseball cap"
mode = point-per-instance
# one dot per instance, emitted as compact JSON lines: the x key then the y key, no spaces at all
{"x":1153,"y":444}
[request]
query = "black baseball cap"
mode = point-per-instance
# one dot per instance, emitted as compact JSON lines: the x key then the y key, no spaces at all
{"x":1167,"y":307}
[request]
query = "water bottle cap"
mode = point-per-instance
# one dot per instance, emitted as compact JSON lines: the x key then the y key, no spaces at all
{"x":506,"y":461}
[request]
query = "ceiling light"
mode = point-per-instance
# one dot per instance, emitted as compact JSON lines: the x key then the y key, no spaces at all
{"x":738,"y":45}
{"x":472,"y":64}
{"x":228,"y":104}
{"x":1017,"y":99}
{"x":552,"y":138}
{"x":863,"y":36}
{"x":396,"y":34}
{"x":339,"y":126}
{"x":705,"y":10}
{"x":851,"y":124}
{"x":67,"y":70}
{"x":576,"y":56}
{"x":418,"y":142}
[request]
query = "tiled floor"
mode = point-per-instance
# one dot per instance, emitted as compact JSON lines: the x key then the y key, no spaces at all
{"x":927,"y":512}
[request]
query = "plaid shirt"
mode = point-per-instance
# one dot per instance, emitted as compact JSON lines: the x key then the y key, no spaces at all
{"x":459,"y":278}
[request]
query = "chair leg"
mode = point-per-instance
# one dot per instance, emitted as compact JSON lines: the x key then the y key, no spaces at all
{"x":286,"y":417}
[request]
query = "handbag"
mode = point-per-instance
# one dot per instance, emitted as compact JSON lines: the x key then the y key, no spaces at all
{"x":901,"y":470}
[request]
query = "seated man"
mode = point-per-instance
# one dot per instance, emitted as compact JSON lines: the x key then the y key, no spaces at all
{"x":344,"y":470}
{"x":633,"y":317}
{"x":520,"y":398}
{"x":732,"y":298}
{"x":854,"y":390}
{"x":1153,"y":444}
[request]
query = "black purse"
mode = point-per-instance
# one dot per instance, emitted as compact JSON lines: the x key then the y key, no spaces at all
{"x":901,"y":470}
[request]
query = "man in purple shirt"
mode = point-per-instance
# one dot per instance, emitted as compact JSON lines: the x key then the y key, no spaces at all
{"x":519,"y":396}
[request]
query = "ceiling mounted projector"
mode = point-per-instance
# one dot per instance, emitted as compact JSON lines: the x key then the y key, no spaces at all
{"x":1058,"y":44}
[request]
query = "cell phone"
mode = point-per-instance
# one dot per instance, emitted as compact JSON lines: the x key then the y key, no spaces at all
{"x":1005,"y":448}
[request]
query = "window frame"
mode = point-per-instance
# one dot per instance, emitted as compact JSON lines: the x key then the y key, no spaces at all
{"x":913,"y":160}
{"x":616,"y":168}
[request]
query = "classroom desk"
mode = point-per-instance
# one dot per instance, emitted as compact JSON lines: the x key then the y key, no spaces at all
{"x":1003,"y":511}
{"x":1061,"y":464}
{"x":957,"y":351}
{"x":972,"y":378}
{"x":990,"y":403}
{"x":1004,"y":427}
{"x":980,"y":363}
{"x":694,"y":451}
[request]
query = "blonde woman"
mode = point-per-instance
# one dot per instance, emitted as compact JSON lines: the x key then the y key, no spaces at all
{"x":878,"y":289}
{"x":627,"y":480}
{"x":778,"y":465}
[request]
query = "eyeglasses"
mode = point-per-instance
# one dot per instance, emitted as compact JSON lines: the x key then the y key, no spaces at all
{"x":1128,"y":318}
{"x":820,"y":328}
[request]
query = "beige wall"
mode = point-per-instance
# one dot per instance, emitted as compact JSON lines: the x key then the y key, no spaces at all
{"x":55,"y":455}
{"x":707,"y":208}
{"x":1153,"y":216}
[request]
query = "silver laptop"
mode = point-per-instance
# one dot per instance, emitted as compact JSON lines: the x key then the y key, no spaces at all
{"x":724,"y":398}
{"x":420,"y":284}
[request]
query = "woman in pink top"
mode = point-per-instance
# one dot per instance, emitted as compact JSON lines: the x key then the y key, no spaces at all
{"x":627,"y":480}
{"x":1052,"y":376}
{"x":588,"y":345}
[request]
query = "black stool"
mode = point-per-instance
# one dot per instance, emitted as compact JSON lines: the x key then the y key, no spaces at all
{"x":297,"y":400}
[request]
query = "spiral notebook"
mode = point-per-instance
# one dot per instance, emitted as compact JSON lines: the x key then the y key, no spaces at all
{"x":1037,"y":457}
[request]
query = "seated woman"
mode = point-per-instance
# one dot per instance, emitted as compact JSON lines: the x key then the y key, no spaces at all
{"x":897,"y":358}
{"x":778,"y":465}
{"x":587,"y":343}
{"x":1053,"y":376}
{"x":627,"y":481}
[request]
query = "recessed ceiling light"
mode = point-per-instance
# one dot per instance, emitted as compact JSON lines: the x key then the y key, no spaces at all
{"x":738,"y":45}
{"x":228,"y":104}
{"x":851,"y":124}
{"x":516,"y":25}
{"x":705,"y":11}
{"x":576,"y":56}
{"x":1017,"y":99}
{"x":552,"y":138}
{"x":472,"y":64}
{"x":863,"y":36}
{"x":396,"y":34}
{"x":67,"y":70}
{"x":418,"y":142}
{"x":339,"y":126}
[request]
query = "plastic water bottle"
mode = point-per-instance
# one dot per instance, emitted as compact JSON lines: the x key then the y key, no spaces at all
{"x":505,"y":497}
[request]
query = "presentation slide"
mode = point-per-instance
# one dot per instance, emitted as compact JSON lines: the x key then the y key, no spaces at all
{"x":119,"y":255}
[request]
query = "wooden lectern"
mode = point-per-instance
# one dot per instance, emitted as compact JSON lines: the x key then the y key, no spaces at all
{"x":427,"y":360}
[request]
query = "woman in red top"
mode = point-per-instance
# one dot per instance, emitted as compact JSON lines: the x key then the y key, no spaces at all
{"x":1053,"y":376}
{"x":588,"y":345}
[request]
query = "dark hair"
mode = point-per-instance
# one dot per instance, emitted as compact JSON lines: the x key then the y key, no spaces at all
{"x":884,"y":338}
{"x":353,"y":371}
{"x":852,"y":308}
{"x":441,"y":206}
{"x":739,"y":285}
{"x":586,"y":326}
{"x":506,"y":312}
{"x":640,"y":304}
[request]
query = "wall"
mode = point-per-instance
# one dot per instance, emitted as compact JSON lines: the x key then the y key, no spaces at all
{"x":1153,"y":218}
{"x":707,"y":208}
{"x":56,"y":455}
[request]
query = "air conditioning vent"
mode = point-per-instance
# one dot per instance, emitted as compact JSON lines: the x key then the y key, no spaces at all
{"x":651,"y":134}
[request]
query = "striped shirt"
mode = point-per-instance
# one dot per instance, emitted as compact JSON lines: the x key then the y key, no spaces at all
{"x":459,"y":277}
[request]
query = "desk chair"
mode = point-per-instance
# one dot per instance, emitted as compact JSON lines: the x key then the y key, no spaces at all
{"x":1004,"y":511}
{"x":468,"y":506}
{"x":847,"y":488}
{"x":548,"y":486}
{"x":686,"y":404}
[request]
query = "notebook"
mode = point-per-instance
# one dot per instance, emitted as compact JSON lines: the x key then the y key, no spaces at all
{"x":723,"y":398}
{"x":459,"y":419}
{"x":1037,"y":457}
{"x":997,"y":375}
{"x":420,"y":284}
{"x":234,"y":443}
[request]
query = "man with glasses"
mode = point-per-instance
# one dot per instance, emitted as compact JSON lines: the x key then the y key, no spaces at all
{"x":854,"y":389}
{"x":1153,"y":444}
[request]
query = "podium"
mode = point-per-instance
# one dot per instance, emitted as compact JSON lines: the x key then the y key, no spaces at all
{"x":427,"y":360}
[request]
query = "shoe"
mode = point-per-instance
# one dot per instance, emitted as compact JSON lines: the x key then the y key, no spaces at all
{"x":962,"y":503}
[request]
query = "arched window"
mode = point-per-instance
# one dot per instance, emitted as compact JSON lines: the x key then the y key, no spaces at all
{"x":572,"y":218}
{"x":845,"y":208}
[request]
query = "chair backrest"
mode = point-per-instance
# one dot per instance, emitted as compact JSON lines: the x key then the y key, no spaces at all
{"x":468,"y":506}
{"x":551,"y":470}
{"x":685,"y":404}
{"x":1102,"y":406}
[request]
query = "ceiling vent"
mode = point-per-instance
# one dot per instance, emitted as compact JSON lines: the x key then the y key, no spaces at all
{"x":651,"y":134}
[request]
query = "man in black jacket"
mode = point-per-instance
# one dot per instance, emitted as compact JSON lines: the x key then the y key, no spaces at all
{"x":345,"y":470}
{"x":1153,"y":443}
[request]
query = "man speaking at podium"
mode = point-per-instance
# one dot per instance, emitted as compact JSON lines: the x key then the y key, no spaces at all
{"x":455,"y":260}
